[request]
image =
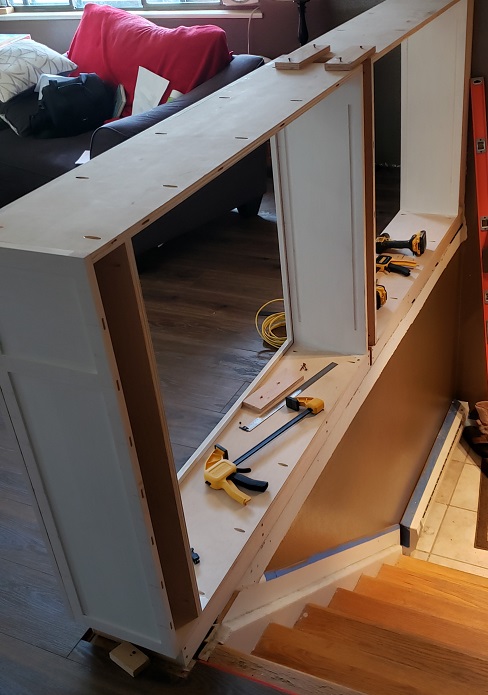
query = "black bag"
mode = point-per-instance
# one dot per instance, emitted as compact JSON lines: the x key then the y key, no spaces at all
{"x":73,"y":106}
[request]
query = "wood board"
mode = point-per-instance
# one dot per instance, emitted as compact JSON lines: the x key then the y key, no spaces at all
{"x":276,"y":388}
{"x":310,"y":53}
{"x":350,"y":58}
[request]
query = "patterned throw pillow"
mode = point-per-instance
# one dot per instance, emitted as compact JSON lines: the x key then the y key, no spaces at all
{"x":22,"y":62}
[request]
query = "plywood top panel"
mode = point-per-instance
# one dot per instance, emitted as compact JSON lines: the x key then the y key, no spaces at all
{"x":87,"y":210}
{"x":386,"y":25}
{"x":121,"y":191}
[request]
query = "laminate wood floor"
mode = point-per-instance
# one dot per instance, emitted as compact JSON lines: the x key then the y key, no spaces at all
{"x":201,"y":293}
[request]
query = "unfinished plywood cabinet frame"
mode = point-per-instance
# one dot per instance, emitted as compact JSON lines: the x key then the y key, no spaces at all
{"x":119,"y":522}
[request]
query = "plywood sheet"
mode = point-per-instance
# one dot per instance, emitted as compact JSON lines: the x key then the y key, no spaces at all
{"x":226,"y":534}
{"x":310,"y":53}
{"x":116,"y":276}
{"x":387,"y":24}
{"x":151,"y":173}
{"x":69,"y":422}
{"x":433,"y":78}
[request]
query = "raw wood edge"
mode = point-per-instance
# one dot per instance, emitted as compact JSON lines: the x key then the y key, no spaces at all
{"x":369,"y":199}
{"x":465,"y":120}
{"x":275,"y":675}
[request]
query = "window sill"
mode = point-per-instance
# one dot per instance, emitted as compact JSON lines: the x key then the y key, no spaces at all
{"x":253,"y":13}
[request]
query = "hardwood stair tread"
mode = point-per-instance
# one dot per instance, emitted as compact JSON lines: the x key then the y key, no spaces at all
{"x":422,"y":566}
{"x":405,"y":619}
{"x":459,"y":592}
{"x":438,"y":605}
{"x":426,"y":658}
{"x":285,"y":679}
{"x":337,"y":663}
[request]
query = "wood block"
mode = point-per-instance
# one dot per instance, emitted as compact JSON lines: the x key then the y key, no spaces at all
{"x":310,"y":53}
{"x":418,"y":600}
{"x":6,"y":10}
{"x":394,"y":617}
{"x":274,"y":390}
{"x":350,"y":58}
{"x":129,"y":658}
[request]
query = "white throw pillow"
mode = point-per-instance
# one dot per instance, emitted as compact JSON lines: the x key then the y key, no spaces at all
{"x":22,"y":62}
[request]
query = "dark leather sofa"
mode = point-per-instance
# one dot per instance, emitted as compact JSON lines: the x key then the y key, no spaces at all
{"x":27,"y":163}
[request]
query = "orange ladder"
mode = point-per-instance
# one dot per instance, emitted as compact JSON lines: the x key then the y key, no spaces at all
{"x":478,"y":110}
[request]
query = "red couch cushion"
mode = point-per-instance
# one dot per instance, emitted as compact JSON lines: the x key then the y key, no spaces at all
{"x":114,"y":43}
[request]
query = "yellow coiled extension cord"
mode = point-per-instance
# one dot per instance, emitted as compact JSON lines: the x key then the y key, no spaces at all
{"x":270,"y":324}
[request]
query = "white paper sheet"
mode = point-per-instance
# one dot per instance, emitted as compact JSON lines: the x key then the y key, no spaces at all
{"x":83,"y":158}
{"x":149,"y":90}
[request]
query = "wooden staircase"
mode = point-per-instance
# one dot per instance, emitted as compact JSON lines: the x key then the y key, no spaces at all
{"x":416,"y":628}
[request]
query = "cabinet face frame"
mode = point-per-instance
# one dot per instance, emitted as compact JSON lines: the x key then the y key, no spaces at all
{"x":87,"y":245}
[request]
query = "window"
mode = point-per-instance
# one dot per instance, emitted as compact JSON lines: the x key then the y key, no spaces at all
{"x":29,"y":5}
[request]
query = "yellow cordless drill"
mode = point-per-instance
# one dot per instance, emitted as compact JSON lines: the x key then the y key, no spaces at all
{"x":381,"y":296}
{"x":417,"y":243}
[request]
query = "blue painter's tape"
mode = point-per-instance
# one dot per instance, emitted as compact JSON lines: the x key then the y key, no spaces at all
{"x":274,"y":574}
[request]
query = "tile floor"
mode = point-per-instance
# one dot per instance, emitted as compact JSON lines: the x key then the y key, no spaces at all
{"x":447,"y":537}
